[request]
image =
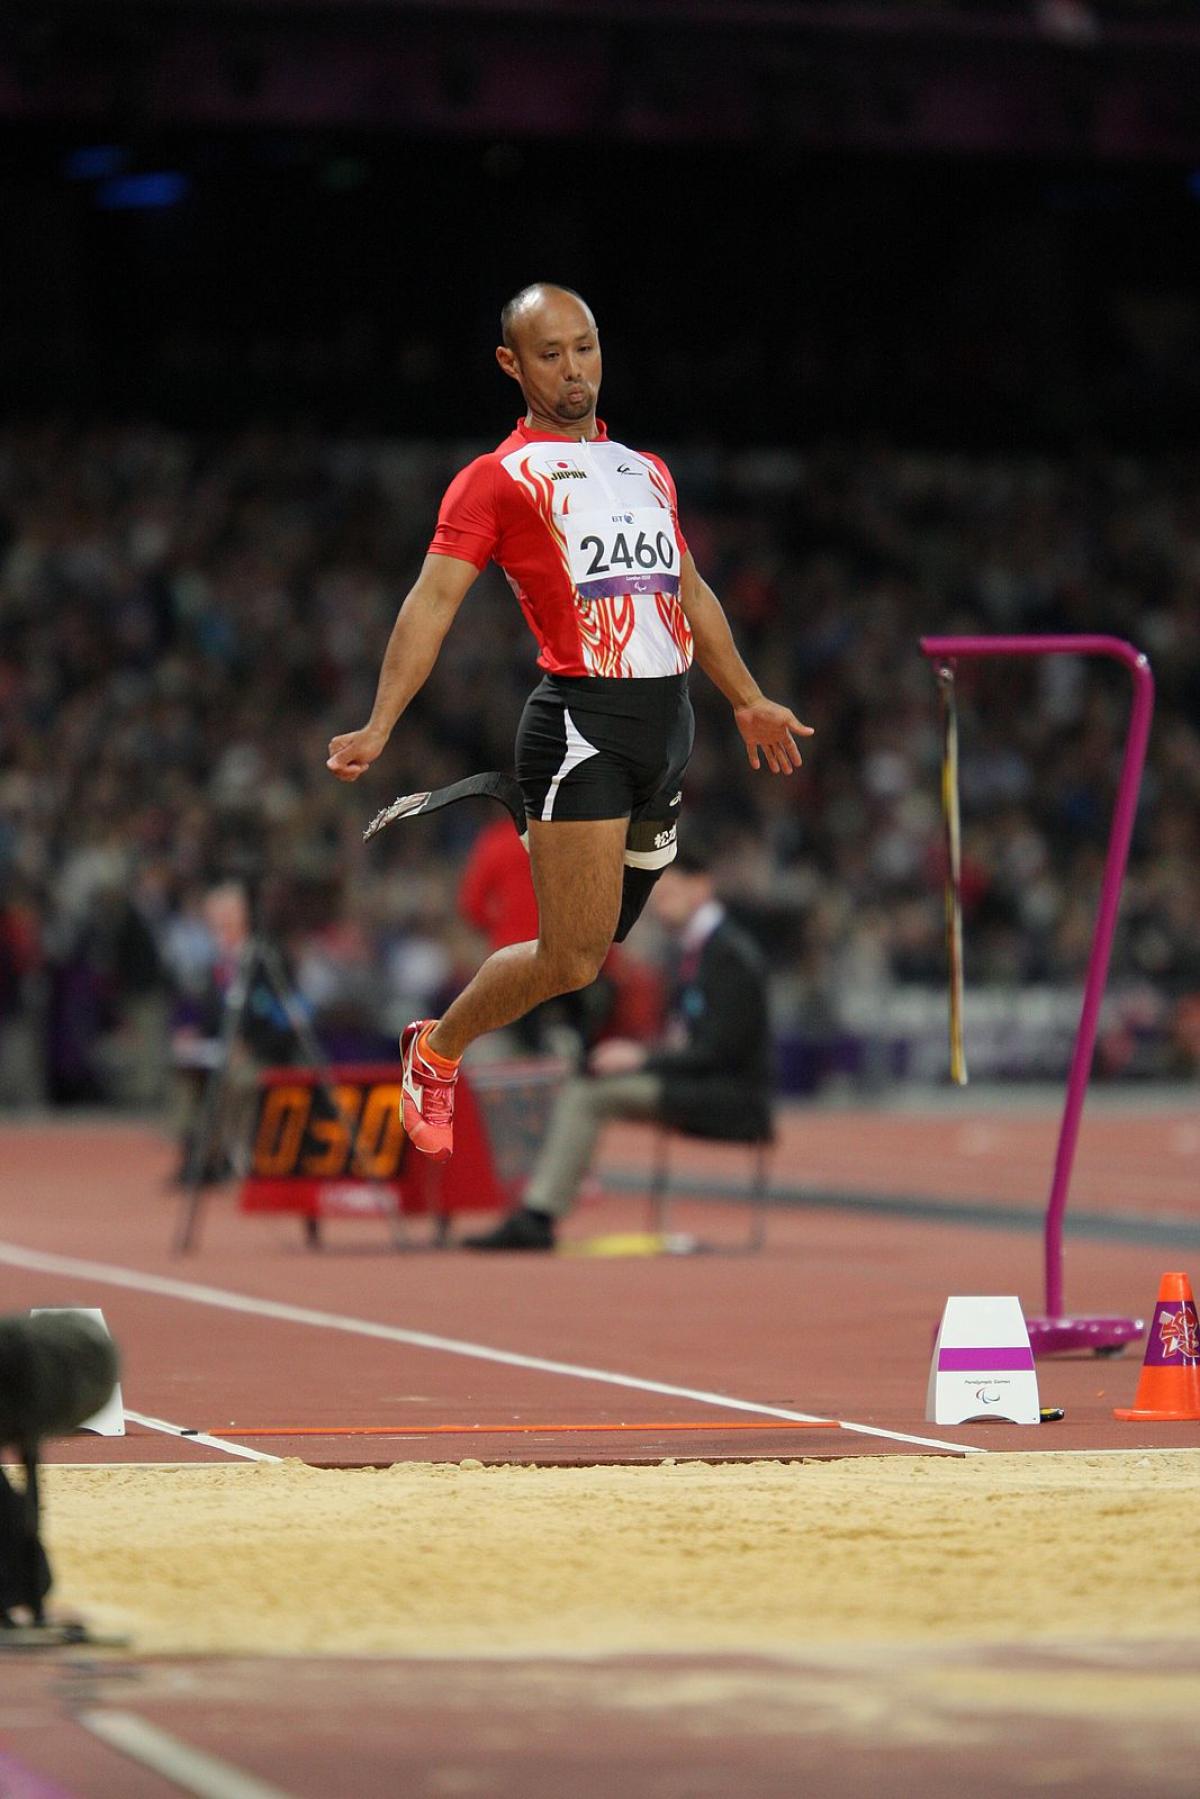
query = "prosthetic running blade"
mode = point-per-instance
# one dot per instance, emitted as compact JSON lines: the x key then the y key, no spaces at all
{"x":503,"y":788}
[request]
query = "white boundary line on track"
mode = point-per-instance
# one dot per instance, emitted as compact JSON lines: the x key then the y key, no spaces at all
{"x":192,"y":1770}
{"x":198,"y":1436}
{"x":109,"y":1274}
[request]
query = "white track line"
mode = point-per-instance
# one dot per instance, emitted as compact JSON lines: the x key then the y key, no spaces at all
{"x":137,"y":1281}
{"x":193,"y":1771}
{"x":198,"y":1436}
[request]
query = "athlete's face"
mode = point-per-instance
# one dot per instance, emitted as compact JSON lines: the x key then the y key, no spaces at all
{"x":555,"y":356}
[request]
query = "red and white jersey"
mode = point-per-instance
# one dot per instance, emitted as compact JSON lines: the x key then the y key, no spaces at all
{"x":587,"y":534}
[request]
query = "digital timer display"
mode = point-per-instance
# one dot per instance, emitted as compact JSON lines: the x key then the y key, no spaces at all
{"x":298,"y":1133}
{"x":353,"y":1160}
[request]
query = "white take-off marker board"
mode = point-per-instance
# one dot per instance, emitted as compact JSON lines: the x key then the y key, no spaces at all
{"x":982,"y":1364}
{"x":109,"y":1421}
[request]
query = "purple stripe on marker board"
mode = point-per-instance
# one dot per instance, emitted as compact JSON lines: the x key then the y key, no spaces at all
{"x":19,"y":1782}
{"x":980,"y":1361}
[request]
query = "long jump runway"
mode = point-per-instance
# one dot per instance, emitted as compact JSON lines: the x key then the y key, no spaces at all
{"x":484,"y":1356}
{"x":811,"y":1356}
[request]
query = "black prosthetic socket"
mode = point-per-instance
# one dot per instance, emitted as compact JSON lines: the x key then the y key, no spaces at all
{"x":635,"y":891}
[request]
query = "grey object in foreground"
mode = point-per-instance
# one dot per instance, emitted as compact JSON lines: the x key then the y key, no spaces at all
{"x":57,"y":1369}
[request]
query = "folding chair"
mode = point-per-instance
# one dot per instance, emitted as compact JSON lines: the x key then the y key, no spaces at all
{"x":759,"y":1146}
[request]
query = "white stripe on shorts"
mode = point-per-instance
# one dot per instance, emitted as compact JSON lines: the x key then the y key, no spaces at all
{"x":578,"y":750}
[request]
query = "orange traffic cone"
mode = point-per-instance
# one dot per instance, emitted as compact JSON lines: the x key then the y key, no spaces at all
{"x":1170,"y":1381}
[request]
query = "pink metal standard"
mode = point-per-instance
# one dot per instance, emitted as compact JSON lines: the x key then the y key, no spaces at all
{"x":1058,"y":1333}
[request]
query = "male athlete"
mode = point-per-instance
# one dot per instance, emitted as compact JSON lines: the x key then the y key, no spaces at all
{"x":586,"y":532}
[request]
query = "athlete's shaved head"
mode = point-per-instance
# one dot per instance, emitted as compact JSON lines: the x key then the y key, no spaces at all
{"x":529,"y":299}
{"x":551,"y":348}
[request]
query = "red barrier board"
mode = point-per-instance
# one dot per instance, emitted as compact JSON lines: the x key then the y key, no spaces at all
{"x":356,"y":1162}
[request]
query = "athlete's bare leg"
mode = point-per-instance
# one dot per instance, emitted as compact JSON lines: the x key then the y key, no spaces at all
{"x":578,"y":867}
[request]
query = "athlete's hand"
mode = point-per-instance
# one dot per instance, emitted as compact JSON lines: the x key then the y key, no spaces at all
{"x":353,"y":753}
{"x":772,"y":730}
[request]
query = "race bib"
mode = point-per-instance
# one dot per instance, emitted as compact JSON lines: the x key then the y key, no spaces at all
{"x":614,"y":553}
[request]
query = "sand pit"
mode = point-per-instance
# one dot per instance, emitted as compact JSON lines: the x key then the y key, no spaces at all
{"x":768,"y":1557}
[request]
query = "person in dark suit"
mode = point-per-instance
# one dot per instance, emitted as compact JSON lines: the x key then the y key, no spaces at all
{"x":711,"y":1077}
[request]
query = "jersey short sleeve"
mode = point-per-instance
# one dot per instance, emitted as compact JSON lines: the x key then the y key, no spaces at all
{"x":467,"y":524}
{"x":669,"y":482}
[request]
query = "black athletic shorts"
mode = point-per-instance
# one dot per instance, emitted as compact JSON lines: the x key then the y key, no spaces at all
{"x":596,"y":746}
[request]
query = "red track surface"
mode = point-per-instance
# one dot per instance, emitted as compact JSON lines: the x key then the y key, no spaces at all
{"x":644,"y":1729}
{"x":1129,"y":1162}
{"x":836,"y":1319}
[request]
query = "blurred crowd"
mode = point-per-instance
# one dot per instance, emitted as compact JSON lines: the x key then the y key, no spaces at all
{"x":185,"y":621}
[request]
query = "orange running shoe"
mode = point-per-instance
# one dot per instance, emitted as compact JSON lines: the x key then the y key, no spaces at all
{"x":426,"y":1096}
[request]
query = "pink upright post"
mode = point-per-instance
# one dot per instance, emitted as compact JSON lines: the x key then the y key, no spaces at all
{"x":1058,"y":1333}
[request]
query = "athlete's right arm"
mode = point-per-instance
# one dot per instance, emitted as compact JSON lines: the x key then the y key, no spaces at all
{"x":412,"y":650}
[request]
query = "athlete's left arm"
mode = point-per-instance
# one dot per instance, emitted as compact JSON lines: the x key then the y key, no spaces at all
{"x":764,"y":725}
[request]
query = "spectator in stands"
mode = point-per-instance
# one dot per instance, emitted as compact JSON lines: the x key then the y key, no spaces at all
{"x":21,"y":1076}
{"x":144,"y":572}
{"x":496,"y":891}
